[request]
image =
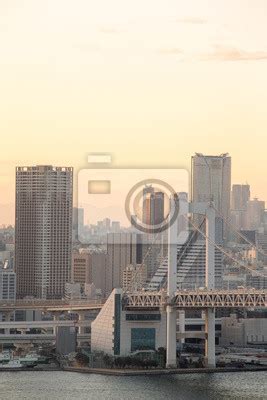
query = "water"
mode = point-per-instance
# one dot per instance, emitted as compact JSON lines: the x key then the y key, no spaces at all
{"x":75,"y":386}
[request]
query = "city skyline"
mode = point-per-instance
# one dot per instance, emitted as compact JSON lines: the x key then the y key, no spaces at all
{"x":133,"y":199}
{"x":7,"y":211}
{"x":149,"y":82}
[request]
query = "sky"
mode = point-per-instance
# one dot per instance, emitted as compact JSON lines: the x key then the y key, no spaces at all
{"x":149,"y":81}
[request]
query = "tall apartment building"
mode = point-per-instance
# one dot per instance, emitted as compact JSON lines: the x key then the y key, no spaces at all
{"x":211,"y":179}
{"x":43,"y":234}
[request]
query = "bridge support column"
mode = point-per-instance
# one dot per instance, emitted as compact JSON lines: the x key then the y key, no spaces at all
{"x":171,"y":288}
{"x":210,"y":284}
{"x":7,"y":315}
{"x":171,"y":338}
{"x":81,"y":318}
{"x":55,"y":318}
{"x":210,"y":338}
{"x":182,"y":324}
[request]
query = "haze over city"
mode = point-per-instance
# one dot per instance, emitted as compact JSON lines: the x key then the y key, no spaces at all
{"x":150,"y":82}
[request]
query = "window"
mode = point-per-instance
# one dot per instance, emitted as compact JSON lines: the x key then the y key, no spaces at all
{"x":143,"y":339}
{"x":143,"y":317}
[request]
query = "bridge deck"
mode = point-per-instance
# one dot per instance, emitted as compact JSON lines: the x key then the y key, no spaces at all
{"x":248,"y":298}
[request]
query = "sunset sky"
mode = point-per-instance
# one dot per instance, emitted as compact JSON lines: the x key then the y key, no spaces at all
{"x":149,"y":81}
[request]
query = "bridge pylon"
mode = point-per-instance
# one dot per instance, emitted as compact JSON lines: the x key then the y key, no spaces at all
{"x":171,"y":289}
{"x":210,"y":285}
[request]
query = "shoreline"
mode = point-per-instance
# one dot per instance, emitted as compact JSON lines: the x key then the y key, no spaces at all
{"x":151,"y":372}
{"x":139,"y":372}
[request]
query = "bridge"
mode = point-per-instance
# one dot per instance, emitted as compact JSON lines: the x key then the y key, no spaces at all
{"x":37,"y":338}
{"x":182,"y":299}
{"x":24,"y":325}
{"x":198,"y":299}
{"x":51,"y":305}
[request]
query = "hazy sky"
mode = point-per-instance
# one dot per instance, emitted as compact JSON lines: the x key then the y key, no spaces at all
{"x":151,"y":81}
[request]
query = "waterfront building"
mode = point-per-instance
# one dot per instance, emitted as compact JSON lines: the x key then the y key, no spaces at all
{"x":243,"y":332}
{"x":119,"y":332}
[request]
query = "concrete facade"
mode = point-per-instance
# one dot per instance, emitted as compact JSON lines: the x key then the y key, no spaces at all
{"x":119,"y":333}
{"x":243,"y":332}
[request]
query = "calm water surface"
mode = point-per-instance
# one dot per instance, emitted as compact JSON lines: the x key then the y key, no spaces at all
{"x":74,"y":386}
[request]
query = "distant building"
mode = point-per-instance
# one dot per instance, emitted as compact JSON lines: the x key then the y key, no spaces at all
{"x":262,"y":244}
{"x":243,"y":332}
{"x":123,"y":249}
{"x":211,"y":179}
{"x":240,"y":197}
{"x":255,"y":214}
{"x":77,"y":222}
{"x":115,"y":226}
{"x":107,"y":223}
{"x":146,"y":212}
{"x":239,"y":201}
{"x":6,"y":259}
{"x":153,"y":206}
{"x":43,"y":237}
{"x":73,"y":291}
{"x":7,"y":284}
{"x":134,"y":277}
{"x":89,"y":268}
{"x":257,"y":279}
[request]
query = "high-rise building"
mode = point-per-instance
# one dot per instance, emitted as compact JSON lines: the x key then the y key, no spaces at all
{"x":239,"y":201}
{"x":146,"y":212}
{"x":43,"y":237}
{"x":211,"y":179}
{"x":255,"y":214}
{"x":157,"y":208}
{"x":153,"y":206}
{"x":240,"y":197}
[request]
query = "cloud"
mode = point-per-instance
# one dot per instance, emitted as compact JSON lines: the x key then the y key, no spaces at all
{"x":171,"y":51}
{"x":228,"y":53}
{"x":192,"y":20}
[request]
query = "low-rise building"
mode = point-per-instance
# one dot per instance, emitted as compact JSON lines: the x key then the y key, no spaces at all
{"x":7,"y":284}
{"x":134,"y":277}
{"x":244,"y":331}
{"x":119,"y":332}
